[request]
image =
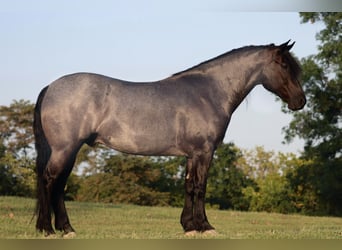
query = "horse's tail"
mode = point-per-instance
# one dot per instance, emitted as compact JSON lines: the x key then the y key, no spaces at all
{"x":43,"y":151}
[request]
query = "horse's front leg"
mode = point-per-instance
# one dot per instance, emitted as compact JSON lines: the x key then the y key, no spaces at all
{"x":193,"y":217}
{"x":187,"y":214}
{"x":200,"y":182}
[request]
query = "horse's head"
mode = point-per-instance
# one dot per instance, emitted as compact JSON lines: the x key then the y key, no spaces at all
{"x":281,"y":76}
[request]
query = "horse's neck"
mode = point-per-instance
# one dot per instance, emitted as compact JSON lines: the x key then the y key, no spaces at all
{"x":237,"y":77}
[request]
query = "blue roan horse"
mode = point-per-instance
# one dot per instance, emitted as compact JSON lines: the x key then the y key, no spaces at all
{"x":185,"y":114}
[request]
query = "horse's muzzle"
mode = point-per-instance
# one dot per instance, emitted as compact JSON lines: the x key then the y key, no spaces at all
{"x":297,"y":104}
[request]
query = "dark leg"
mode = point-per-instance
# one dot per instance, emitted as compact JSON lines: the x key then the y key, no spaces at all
{"x":201,"y":175}
{"x":62,"y":222}
{"x":193,"y":216}
{"x":51,"y":194}
{"x":187,"y":214}
{"x":43,"y":205}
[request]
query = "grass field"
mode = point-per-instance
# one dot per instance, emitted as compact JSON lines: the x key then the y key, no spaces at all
{"x":108,"y":221}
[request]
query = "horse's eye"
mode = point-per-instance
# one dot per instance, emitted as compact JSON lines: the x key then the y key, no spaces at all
{"x":284,"y":65}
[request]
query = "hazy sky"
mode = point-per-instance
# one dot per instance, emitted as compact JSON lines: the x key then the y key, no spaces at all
{"x":132,"y":40}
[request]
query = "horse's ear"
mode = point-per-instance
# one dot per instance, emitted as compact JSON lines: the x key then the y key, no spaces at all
{"x":286,"y":46}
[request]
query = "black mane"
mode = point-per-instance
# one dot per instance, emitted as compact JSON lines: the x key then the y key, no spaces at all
{"x":217,"y":59}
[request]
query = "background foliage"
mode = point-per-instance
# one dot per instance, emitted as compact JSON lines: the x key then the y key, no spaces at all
{"x":320,"y":124}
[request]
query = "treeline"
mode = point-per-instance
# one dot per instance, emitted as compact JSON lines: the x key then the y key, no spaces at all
{"x":248,"y":180}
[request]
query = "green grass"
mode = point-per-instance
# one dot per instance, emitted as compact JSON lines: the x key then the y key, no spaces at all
{"x":99,"y":221}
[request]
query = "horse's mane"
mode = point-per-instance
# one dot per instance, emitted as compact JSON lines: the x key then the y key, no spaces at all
{"x":217,"y":59}
{"x":292,"y":62}
{"x":294,"y":65}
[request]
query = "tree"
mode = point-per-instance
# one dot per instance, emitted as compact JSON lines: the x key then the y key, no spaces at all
{"x":270,"y":171}
{"x":257,"y":163}
{"x":125,"y":179}
{"x":171,"y":180}
{"x":16,"y":149}
{"x":302,"y":193}
{"x":320,"y":123}
{"x":226,"y":181}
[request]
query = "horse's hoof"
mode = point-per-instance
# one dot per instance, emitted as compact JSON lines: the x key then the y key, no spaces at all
{"x":51,"y":236}
{"x":190,"y":233}
{"x":69,"y":235}
{"x":210,"y":232}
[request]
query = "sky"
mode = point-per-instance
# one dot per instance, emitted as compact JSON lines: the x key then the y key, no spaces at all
{"x":145,"y":41}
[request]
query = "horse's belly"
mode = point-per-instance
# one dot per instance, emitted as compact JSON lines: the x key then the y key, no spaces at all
{"x":135,"y":142}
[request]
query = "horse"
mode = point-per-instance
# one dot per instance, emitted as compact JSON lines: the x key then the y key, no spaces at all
{"x":186,"y":114}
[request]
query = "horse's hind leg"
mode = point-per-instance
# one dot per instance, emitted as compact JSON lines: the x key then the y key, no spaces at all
{"x":59,"y":170}
{"x":44,"y":205}
{"x":62,"y":222}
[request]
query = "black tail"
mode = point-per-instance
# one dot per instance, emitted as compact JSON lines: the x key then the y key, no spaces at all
{"x":43,"y":152}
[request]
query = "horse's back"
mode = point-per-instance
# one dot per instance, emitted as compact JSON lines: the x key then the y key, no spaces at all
{"x":79,"y":85}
